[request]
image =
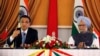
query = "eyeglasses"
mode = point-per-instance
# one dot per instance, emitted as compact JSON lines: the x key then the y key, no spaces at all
{"x":82,"y":25}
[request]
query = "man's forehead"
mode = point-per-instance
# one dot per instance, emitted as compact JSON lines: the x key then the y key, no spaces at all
{"x":24,"y":19}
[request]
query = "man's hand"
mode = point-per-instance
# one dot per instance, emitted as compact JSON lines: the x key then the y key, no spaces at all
{"x":81,"y":45}
{"x":26,"y":46}
{"x":15,"y":33}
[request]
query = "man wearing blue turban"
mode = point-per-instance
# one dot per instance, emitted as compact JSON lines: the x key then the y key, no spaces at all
{"x":85,"y":38}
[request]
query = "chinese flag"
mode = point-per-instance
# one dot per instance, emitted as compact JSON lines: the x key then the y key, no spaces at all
{"x":52,"y":18}
{"x":4,"y":34}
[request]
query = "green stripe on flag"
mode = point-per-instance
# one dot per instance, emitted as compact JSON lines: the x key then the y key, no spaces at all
{"x":74,"y":29}
{"x":94,"y":36}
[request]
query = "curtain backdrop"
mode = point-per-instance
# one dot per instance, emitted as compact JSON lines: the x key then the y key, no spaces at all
{"x":92,"y":10}
{"x":9,"y":10}
{"x":38,"y":11}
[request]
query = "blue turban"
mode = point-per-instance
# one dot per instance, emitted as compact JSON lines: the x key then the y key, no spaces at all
{"x":84,"y":19}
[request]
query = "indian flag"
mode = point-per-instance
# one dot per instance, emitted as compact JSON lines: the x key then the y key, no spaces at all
{"x":96,"y":34}
{"x":24,"y":3}
{"x":78,"y":11}
{"x":23,"y":9}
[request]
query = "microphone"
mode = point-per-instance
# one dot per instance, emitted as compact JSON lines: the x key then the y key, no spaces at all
{"x":6,"y":45}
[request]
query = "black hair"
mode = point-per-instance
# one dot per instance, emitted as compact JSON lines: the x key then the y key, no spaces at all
{"x":25,"y":16}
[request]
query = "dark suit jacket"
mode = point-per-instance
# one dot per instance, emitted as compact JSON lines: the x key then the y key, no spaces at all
{"x":32,"y":36}
{"x":87,"y":38}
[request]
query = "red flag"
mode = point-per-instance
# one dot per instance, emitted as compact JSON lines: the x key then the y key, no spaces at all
{"x":52,"y":18}
{"x":4,"y":34}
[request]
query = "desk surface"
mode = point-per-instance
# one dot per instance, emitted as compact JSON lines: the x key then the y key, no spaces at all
{"x":27,"y":52}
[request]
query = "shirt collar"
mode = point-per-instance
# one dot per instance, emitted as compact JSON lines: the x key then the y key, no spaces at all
{"x":24,"y":31}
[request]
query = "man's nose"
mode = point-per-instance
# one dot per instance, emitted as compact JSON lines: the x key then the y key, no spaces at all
{"x":24,"y":23}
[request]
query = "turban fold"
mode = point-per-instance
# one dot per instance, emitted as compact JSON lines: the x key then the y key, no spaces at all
{"x":86,"y":20}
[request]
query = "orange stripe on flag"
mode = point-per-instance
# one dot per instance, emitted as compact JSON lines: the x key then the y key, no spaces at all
{"x":98,"y":33}
{"x":26,"y":3}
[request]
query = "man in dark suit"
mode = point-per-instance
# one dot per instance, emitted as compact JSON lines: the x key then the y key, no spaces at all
{"x":24,"y":36}
{"x":85,"y":38}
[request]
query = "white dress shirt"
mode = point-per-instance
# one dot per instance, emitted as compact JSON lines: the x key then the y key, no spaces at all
{"x":11,"y":38}
{"x":95,"y":41}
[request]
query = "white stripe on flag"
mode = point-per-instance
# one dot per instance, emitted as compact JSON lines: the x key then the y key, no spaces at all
{"x":22,"y":3}
{"x":78,"y":9}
